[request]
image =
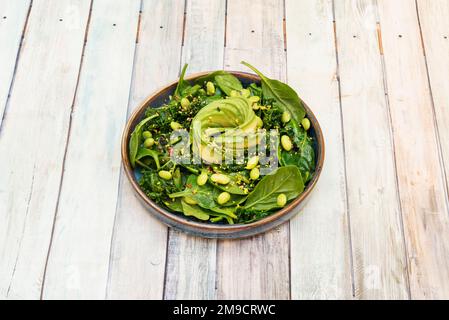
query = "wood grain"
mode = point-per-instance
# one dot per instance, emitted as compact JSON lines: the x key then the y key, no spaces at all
{"x":434,"y":20}
{"x":79,"y":257}
{"x":33,"y":139}
{"x":420,"y":174}
{"x":191,"y":261}
{"x":320,"y":251}
{"x":258,"y":267}
{"x":13,"y":17}
{"x":380,"y":267}
{"x":139,"y":246}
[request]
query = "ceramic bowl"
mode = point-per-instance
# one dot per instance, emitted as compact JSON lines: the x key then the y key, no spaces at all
{"x":207,"y":229}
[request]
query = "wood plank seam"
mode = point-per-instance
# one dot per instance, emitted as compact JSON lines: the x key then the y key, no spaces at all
{"x":284,"y":29}
{"x":225,"y":27}
{"x":416,"y":279}
{"x":398,"y":191}
{"x":183,"y":32}
{"x":66,"y":148}
{"x":23,"y":232}
{"x":19,"y":50}
{"x":138,"y":26}
{"x":437,"y":133}
{"x":347,"y":209}
{"x":1,"y":121}
{"x":111,"y":247}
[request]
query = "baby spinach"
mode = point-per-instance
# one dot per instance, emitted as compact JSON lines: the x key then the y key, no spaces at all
{"x":227,"y":83}
{"x":144,"y":152}
{"x":303,"y":155}
{"x":282,"y":93}
{"x":136,"y":139}
{"x":286,"y":180}
{"x":203,"y":195}
{"x":210,"y":77}
{"x":303,"y":158}
{"x":194,"y":210}
{"x":182,"y":84}
{"x":174,"y":204}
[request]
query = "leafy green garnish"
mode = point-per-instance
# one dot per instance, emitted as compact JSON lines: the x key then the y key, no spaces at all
{"x":227,"y":82}
{"x":182,"y":84}
{"x":286,"y":180}
{"x":282,"y":93}
{"x":136,"y":139}
{"x":194,"y":210}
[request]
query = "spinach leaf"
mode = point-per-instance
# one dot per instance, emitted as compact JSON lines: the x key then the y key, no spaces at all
{"x":204,"y":196}
{"x":144,"y":152}
{"x":304,"y":159}
{"x":210,"y":77}
{"x":136,"y":139}
{"x":303,"y":155}
{"x":286,"y":180}
{"x":285,"y":96}
{"x":174,"y":204}
{"x":182,"y":84}
{"x":228,"y":82}
{"x":194,"y":210}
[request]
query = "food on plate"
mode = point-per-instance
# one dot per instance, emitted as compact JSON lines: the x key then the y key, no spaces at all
{"x":222,"y":151}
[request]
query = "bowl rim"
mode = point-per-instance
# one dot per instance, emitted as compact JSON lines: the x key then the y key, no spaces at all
{"x":209,"y":227}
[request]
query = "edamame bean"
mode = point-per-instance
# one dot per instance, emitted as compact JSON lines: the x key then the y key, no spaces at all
{"x":305,"y":124}
{"x":286,"y":143}
{"x":254,"y":174}
{"x":146,"y":134}
{"x":190,"y":200}
{"x":252,"y":162}
{"x":245,"y":93}
{"x":223,"y":197}
{"x":256,"y":106}
{"x":148,"y":143}
{"x":202,"y":92}
{"x":220,"y":178}
{"x":166,"y":175}
{"x":254,"y":99}
{"x":175,"y":126}
{"x":234,"y":93}
{"x":202,"y":179}
{"x":210,"y":88}
{"x":185,"y":103}
{"x":286,"y":116}
{"x":281,"y":200}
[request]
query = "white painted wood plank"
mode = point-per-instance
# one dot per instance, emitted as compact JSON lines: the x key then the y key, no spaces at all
{"x":139,"y":246}
{"x":421,"y":186}
{"x":255,"y":268}
{"x":32,"y":141}
{"x":320,"y":250}
{"x":79,"y":255}
{"x":191,"y":261}
{"x":435,"y":32}
{"x":380,"y":267}
{"x":13,"y":16}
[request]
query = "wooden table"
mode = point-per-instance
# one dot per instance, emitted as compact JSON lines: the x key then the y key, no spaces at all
{"x":374,"y":72}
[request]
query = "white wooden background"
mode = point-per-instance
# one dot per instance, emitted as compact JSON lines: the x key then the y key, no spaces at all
{"x":375,"y":73}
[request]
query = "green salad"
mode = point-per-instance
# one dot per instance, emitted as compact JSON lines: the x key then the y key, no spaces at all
{"x":223,"y":151}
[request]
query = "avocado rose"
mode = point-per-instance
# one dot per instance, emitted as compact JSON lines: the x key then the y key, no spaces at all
{"x":223,"y":127}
